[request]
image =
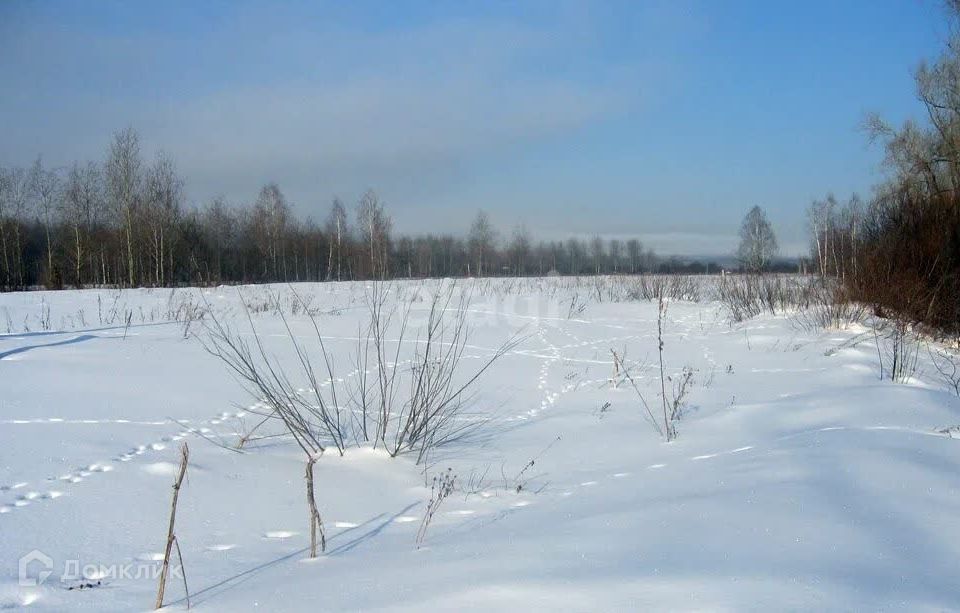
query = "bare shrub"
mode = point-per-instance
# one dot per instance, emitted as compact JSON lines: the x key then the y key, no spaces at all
{"x":520,"y":482}
{"x":440,"y":489}
{"x":313,"y":420}
{"x":576,"y":307}
{"x":432,"y":411}
{"x":669,"y":430}
{"x":680,"y":387}
{"x":909,"y":257}
{"x":653,"y":287}
{"x":406,"y":410}
{"x":44,"y":316}
{"x":624,"y":370}
{"x":685,"y":288}
{"x":947,"y":365}
{"x":898,"y":349}
{"x":830,"y":308}
{"x":738,"y":294}
{"x":749,"y":295}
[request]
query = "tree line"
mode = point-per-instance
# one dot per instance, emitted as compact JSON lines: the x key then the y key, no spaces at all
{"x":125,"y":222}
{"x":899,"y":250}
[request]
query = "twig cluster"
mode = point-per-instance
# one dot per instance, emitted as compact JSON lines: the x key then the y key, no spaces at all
{"x":440,"y":489}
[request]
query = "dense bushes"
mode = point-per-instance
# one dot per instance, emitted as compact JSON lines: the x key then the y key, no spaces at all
{"x":911,"y":260}
{"x":901,"y":253}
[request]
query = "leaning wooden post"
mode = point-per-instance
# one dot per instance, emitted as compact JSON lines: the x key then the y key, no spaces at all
{"x":184,"y":455}
{"x":315,"y":522}
{"x":616,"y":368}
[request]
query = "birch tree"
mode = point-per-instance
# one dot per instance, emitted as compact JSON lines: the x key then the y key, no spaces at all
{"x":45,"y":189}
{"x":336,"y":231}
{"x":82,"y":198}
{"x":481,"y":240}
{"x":374,"y":226}
{"x":758,"y":244}
{"x":164,"y":192}
{"x":124,"y":186}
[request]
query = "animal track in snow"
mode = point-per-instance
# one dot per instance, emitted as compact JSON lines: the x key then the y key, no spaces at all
{"x":83,"y":472}
{"x":278,"y":534}
{"x":406,"y":519}
{"x":60,"y":420}
{"x":21,"y":600}
{"x":164,"y":469}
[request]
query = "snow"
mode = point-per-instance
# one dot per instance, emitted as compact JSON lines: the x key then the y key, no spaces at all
{"x":799,"y":480}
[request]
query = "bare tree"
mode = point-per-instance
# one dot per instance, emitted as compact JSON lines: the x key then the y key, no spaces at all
{"x":482,"y":238}
{"x":82,"y":197}
{"x":911,"y":153}
{"x":219,"y":226}
{"x":164,"y":192}
{"x":45,"y":188}
{"x":615,"y":250}
{"x":836,"y":232}
{"x":758,"y":244}
{"x":575,"y":255}
{"x":374,"y":226}
{"x":271,"y":217}
{"x":819,"y":216}
{"x":938,"y":87}
{"x":4,"y":197}
{"x":337,"y":233}
{"x":18,"y":192}
{"x":596,"y":253}
{"x":124,"y":187}
{"x":520,"y":249}
{"x":634,"y":254}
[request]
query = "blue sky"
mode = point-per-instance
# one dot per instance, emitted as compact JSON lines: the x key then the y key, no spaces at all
{"x":666,"y":120}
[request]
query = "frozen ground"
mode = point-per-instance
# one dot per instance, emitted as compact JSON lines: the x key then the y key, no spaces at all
{"x":799,"y":479}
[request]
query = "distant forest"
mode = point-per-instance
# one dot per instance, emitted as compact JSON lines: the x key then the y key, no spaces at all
{"x":124,"y":222}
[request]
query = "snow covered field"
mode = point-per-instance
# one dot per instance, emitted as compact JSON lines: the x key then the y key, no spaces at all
{"x":799,"y":480}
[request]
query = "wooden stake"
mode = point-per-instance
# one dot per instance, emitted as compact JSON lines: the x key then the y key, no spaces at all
{"x":315,"y":522}
{"x":184,"y":455}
